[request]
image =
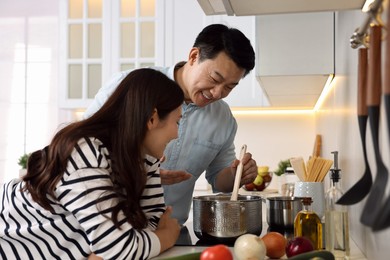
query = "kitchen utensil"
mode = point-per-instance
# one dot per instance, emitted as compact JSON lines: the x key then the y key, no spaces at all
{"x":374,"y":200}
{"x":281,"y":211}
{"x":362,"y":187}
{"x":317,"y":146}
{"x":217,"y":218}
{"x":383,"y":220}
{"x":317,"y":168}
{"x":237,"y":179}
{"x":299,"y":167}
{"x":316,"y":191}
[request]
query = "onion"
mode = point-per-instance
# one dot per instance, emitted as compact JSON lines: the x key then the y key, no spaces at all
{"x":298,"y":245}
{"x":249,"y":247}
{"x":275,"y":244}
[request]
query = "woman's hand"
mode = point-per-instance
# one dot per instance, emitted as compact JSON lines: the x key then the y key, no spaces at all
{"x":168,"y":230}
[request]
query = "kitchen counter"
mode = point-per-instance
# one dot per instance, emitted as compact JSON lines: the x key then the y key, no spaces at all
{"x":356,"y":254}
{"x":180,"y":249}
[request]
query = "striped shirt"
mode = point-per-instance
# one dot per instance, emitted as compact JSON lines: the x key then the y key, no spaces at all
{"x":77,"y":228}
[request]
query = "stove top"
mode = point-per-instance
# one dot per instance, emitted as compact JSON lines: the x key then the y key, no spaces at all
{"x":187,"y":238}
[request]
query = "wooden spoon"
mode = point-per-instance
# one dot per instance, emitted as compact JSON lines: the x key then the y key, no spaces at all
{"x":299,"y":167}
{"x":237,"y":179}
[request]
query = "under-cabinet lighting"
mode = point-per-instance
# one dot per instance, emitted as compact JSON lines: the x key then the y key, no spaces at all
{"x":324,"y":93}
{"x":262,"y":111}
{"x":271,"y":111}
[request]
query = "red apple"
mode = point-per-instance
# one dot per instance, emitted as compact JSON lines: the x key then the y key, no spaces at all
{"x":250,"y":186}
{"x":267,"y":178}
{"x":260,"y":187}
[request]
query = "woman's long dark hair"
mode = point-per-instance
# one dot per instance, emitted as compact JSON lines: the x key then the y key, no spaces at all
{"x":121,"y":124}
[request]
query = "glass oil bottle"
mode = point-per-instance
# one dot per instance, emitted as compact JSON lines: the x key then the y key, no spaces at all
{"x":308,"y":224}
{"x":336,"y":217}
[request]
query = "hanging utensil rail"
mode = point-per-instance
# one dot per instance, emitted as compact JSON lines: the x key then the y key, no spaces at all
{"x":358,"y":37}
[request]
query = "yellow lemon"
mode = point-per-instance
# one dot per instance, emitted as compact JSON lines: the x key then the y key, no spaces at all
{"x":262,"y":170}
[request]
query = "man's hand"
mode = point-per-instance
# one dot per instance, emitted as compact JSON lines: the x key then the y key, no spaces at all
{"x":249,"y":171}
{"x":171,"y":177}
{"x":225,"y":178}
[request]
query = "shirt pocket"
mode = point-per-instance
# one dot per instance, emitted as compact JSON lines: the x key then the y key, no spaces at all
{"x":203,"y":152}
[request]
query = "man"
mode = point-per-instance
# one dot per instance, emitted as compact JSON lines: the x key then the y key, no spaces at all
{"x":219,"y":59}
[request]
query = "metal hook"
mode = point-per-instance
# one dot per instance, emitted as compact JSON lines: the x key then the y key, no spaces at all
{"x":360,"y":36}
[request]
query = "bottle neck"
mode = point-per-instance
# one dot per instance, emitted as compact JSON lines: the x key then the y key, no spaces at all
{"x":306,"y":207}
{"x":335,"y":177}
{"x":335,"y":183}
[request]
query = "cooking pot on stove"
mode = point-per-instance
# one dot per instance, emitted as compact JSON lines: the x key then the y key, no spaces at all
{"x":281,"y":211}
{"x":216,"y":217}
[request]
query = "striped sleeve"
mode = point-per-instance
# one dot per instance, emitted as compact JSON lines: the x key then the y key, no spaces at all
{"x":152,"y":201}
{"x":83,"y":192}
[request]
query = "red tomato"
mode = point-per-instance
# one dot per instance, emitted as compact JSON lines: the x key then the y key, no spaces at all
{"x":217,"y":252}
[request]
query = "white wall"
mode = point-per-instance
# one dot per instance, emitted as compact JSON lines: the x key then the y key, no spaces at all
{"x":275,"y":137}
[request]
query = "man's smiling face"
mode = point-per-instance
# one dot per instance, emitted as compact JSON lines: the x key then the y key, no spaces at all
{"x":210,"y":80}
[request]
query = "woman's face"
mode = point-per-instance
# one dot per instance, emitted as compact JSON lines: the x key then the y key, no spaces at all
{"x":161,"y":132}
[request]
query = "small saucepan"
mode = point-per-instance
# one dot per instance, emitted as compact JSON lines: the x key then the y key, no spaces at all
{"x":218,"y":218}
{"x":281,"y":211}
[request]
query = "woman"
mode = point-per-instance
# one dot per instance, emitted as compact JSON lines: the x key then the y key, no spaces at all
{"x":96,"y":188}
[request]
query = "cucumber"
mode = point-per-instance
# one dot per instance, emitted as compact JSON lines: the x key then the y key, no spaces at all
{"x":314,"y":255}
{"x":192,"y":256}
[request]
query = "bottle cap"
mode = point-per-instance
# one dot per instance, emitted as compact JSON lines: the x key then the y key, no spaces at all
{"x":289,"y":170}
{"x":307,"y":200}
{"x":335,"y":176}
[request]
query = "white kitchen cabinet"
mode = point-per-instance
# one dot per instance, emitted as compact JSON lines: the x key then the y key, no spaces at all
{"x":101,"y":37}
{"x":296,"y":56}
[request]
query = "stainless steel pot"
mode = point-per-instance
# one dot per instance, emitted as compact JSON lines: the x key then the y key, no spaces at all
{"x":281,"y":211}
{"x":216,"y":217}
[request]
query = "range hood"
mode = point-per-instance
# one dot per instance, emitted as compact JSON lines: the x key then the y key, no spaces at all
{"x":257,"y":7}
{"x":296,"y":57}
